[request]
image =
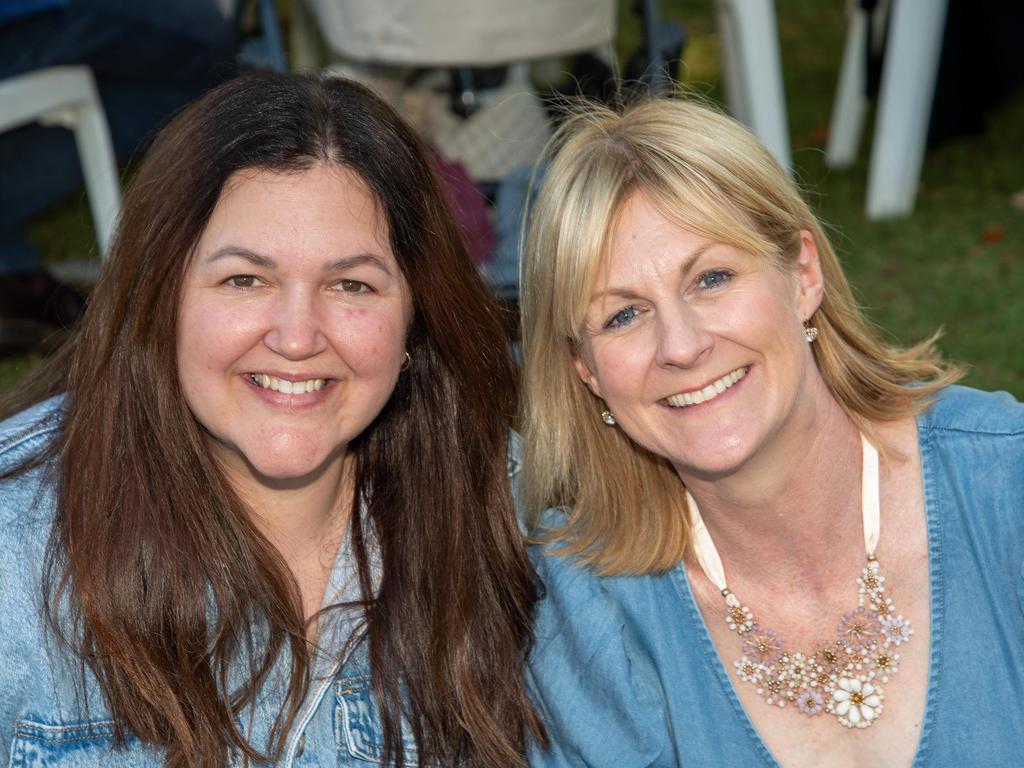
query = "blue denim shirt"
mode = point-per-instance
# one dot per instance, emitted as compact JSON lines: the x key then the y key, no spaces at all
{"x":626,"y":675}
{"x":45,"y":720}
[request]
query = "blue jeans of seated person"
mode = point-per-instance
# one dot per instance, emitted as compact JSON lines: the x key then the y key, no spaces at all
{"x":149,"y":58}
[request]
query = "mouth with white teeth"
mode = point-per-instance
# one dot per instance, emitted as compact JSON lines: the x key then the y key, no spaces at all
{"x":285,"y":386}
{"x":710,"y":392}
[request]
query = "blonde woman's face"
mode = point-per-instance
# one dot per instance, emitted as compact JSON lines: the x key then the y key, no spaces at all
{"x":697,"y":347}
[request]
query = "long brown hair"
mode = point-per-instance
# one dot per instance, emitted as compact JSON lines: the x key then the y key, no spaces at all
{"x":450,"y":623}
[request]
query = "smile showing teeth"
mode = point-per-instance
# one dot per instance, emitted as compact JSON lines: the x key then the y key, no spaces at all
{"x":710,"y":392}
{"x":286,"y":387}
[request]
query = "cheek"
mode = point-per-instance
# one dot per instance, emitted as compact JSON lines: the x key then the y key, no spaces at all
{"x":193,"y":342}
{"x":210,"y":335}
{"x":617,"y":377}
{"x":210,"y":343}
{"x":758,"y":319}
{"x":620,"y":367}
{"x":369,"y":340}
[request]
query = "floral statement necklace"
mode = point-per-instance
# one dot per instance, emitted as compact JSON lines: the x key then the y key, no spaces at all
{"x":843,"y":676}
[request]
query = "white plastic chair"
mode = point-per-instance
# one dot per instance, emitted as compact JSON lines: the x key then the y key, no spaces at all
{"x":752,"y":71}
{"x":904,"y":104}
{"x":67,"y":96}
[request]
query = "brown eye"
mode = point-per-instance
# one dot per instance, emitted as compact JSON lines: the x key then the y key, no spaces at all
{"x":242,"y":281}
{"x":353,"y":286}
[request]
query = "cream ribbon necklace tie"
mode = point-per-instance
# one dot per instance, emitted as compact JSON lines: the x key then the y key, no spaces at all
{"x":842,"y":676}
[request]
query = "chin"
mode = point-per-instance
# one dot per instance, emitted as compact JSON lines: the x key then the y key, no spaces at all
{"x":287,"y":468}
{"x":281,"y":470}
{"x":720,"y":459}
{"x":703,"y":469}
{"x":265,"y":462}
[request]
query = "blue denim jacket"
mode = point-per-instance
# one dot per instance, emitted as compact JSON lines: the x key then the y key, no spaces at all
{"x":626,"y":674}
{"x":46,"y":721}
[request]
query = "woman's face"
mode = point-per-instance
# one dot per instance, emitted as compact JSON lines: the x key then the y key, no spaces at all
{"x":697,"y":347}
{"x":291,"y":331}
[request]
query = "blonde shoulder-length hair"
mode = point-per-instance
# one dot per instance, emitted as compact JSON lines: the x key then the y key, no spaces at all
{"x":625,"y":507}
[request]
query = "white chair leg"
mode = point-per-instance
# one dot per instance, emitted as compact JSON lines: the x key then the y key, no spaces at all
{"x":755,"y":43}
{"x":908,"y":89}
{"x":735,"y":92}
{"x":851,"y":104}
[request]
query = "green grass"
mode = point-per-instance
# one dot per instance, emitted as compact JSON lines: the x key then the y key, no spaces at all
{"x":956,"y":263}
{"x":14,"y":369}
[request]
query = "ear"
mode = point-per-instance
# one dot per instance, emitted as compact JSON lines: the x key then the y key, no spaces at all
{"x":586,"y":375}
{"x":809,"y":281}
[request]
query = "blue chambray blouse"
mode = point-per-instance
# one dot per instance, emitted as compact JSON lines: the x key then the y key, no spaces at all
{"x":626,"y":675}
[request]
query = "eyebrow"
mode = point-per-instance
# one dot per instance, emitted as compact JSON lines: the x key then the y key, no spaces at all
{"x":261,"y":260}
{"x":228,"y":251}
{"x":625,"y":293}
{"x":358,"y":260}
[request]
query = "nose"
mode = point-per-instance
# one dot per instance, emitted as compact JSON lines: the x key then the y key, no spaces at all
{"x":295,"y":329}
{"x":682,"y":339}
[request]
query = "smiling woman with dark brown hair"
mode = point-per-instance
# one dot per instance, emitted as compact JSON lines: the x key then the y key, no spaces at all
{"x":767,"y":536}
{"x":265,"y":512}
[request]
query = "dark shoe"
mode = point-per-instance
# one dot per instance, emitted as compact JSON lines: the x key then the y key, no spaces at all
{"x":36,"y":310}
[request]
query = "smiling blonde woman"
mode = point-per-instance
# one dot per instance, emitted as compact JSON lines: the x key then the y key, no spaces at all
{"x":767,"y":537}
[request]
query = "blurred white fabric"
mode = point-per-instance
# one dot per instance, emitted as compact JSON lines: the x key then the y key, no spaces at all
{"x":461,"y":32}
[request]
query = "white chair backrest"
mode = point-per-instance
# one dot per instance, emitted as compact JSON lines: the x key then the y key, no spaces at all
{"x":67,"y":96}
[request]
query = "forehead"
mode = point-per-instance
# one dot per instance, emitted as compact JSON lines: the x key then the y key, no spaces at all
{"x":642,"y":232}
{"x":314,"y":211}
{"x":643,"y":237}
{"x":678,"y":212}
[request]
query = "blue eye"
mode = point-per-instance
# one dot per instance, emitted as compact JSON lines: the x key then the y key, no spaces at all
{"x":715,"y":278}
{"x":622,"y":318}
